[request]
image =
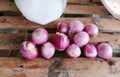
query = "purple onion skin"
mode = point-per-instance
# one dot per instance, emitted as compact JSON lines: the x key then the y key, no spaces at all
{"x":39,"y":36}
{"x":81,"y":39}
{"x":75,"y":27}
{"x":90,"y":51}
{"x":92,"y":30}
{"x":73,"y":51}
{"x":60,"y":41}
{"x":47,"y":50}
{"x":105,"y":51}
{"x":28,"y":50}
{"x":63,"y":27}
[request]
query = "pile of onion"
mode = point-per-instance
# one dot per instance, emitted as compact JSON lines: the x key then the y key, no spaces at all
{"x":29,"y":50}
{"x":79,"y":36}
{"x":69,"y":38}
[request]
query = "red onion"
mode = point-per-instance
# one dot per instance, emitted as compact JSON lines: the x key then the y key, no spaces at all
{"x":60,"y":41}
{"x":40,"y":36}
{"x":81,"y":39}
{"x":90,"y":51}
{"x":73,"y":51}
{"x":75,"y":27}
{"x":47,"y":50}
{"x":28,"y":50}
{"x":62,"y":27}
{"x":104,"y":51}
{"x":92,"y":29}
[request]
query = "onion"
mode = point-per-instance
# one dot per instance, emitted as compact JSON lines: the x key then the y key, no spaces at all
{"x":28,"y":50}
{"x":90,"y":51}
{"x":113,"y":6}
{"x":47,"y":50}
{"x":60,"y":41}
{"x":62,"y":27}
{"x":39,"y":36}
{"x":75,"y":27}
{"x":92,"y":29}
{"x":41,"y":11}
{"x":73,"y":51}
{"x":81,"y":39}
{"x":104,"y":51}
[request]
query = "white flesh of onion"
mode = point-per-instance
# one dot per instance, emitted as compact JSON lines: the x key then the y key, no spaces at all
{"x":113,"y":6}
{"x":41,"y":11}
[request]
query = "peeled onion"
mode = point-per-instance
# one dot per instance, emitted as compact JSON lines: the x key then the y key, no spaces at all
{"x":105,"y":51}
{"x":28,"y":50}
{"x":47,"y":50}
{"x":81,"y":39}
{"x":40,"y":36}
{"x":60,"y":41}
{"x":92,"y":29}
{"x":75,"y":27}
{"x":62,"y":27}
{"x":113,"y":6}
{"x":73,"y":51}
{"x":41,"y":11}
{"x":90,"y":51}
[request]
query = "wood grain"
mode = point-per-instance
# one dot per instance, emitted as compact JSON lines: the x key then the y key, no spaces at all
{"x":86,"y":9}
{"x":59,"y":67}
{"x":69,"y":1}
{"x":96,"y":0}
{"x":5,"y":5}
{"x":79,"y":1}
{"x":20,"y":23}
{"x":71,"y":8}
{"x":112,"y":39}
{"x":7,"y":42}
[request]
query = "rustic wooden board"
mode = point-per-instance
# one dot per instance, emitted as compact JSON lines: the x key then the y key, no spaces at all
{"x":85,"y":9}
{"x":7,"y":6}
{"x":71,"y":8}
{"x":79,"y":1}
{"x":105,"y":25}
{"x":7,"y":42}
{"x":69,"y":1}
{"x":59,"y":67}
{"x":96,"y":0}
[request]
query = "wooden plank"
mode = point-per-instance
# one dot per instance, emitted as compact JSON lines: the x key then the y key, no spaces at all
{"x":69,"y":1}
{"x":71,"y":8}
{"x":59,"y":67}
{"x":85,"y":9}
{"x":11,"y":41}
{"x":112,"y":39}
{"x":7,"y":6}
{"x":109,"y":25}
{"x":79,"y":1}
{"x":96,"y":0}
{"x":7,"y":42}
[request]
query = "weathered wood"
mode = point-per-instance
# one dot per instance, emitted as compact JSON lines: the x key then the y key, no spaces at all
{"x":7,"y":42}
{"x":7,"y":6}
{"x":86,"y":9}
{"x":112,"y":39}
{"x":96,"y":0}
{"x":11,"y":41}
{"x":79,"y":1}
{"x":109,"y":25}
{"x":105,"y":25}
{"x":69,"y":1}
{"x":71,"y":8}
{"x":59,"y":67}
